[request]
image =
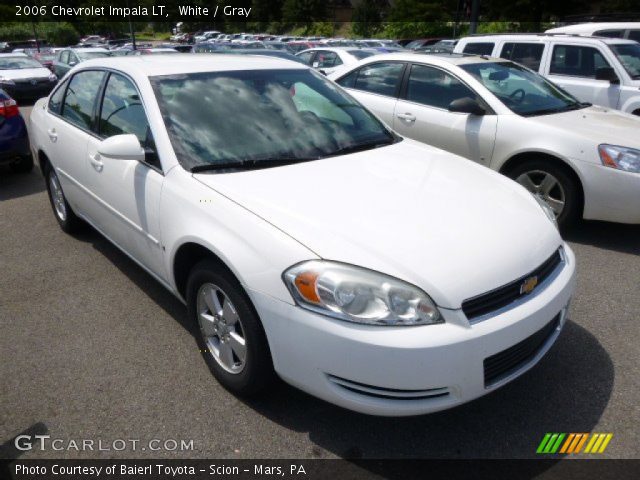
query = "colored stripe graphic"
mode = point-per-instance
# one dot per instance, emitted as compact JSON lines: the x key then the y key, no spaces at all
{"x":574,"y":442}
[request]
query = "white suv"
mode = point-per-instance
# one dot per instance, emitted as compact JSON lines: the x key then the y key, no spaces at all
{"x":603,"y":71}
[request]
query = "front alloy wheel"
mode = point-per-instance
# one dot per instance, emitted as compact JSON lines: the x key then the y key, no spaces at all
{"x":231,"y":337}
{"x":221,"y":328}
{"x":553,"y":184}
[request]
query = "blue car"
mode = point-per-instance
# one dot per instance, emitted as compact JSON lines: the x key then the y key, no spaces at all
{"x":14,"y":139}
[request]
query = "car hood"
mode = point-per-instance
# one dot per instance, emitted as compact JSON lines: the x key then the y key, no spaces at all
{"x":20,"y":74}
{"x":452,"y":227}
{"x":597,"y":124}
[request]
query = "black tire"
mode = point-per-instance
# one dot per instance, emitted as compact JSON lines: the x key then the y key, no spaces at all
{"x":572,"y":210}
{"x":70,"y":223}
{"x":24,"y":165}
{"x":258,"y":372}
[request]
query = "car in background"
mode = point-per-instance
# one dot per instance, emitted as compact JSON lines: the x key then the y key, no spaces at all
{"x":152,"y":51}
{"x":14,"y":139}
{"x":326,"y":250}
{"x":22,"y":77}
{"x":421,"y":43}
{"x":276,"y":45}
{"x":599,"y":70}
{"x":70,"y":57}
{"x":328,"y":59}
{"x":584,"y":161}
{"x":297,"y":46}
{"x":45,"y":57}
{"x":630,"y":30}
{"x":92,"y":39}
{"x":208,"y":35}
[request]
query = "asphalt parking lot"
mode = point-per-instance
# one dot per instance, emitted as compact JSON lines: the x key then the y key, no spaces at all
{"x":92,"y":347}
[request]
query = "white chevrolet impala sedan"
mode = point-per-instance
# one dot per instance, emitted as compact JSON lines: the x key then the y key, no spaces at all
{"x":307,"y":240}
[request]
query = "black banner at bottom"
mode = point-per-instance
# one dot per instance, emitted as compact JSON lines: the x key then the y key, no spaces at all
{"x":112,"y":469}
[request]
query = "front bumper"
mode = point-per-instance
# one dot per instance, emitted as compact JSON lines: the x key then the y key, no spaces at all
{"x":610,"y":194}
{"x":396,"y":371}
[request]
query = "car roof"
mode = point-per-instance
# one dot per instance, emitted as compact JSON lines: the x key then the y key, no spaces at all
{"x":544,"y":37}
{"x":435,"y":58}
{"x":152,"y":65}
{"x":16,"y":54}
{"x":592,"y":27}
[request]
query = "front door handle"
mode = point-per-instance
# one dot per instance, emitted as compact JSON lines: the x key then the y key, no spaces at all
{"x":408,"y":117}
{"x":53,"y":136}
{"x":96,"y":162}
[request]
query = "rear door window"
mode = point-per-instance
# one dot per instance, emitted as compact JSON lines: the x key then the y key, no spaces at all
{"x":479,"y":48}
{"x":381,"y":78}
{"x":527,"y":54}
{"x":575,"y":61}
{"x":80,"y":98}
{"x":434,"y":87}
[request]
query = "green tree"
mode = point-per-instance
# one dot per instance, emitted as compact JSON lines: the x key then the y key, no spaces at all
{"x":299,"y":12}
{"x":367,"y":17}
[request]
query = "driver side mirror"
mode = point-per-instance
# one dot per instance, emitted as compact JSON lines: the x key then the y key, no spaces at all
{"x":122,"y":147}
{"x":73,"y":63}
{"x":607,"y":73}
{"x":466,"y":105}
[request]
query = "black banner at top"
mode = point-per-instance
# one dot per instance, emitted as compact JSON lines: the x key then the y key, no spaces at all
{"x":304,"y":11}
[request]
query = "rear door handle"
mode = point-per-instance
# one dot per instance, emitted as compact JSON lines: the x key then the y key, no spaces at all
{"x":53,"y":136}
{"x":406,"y":116}
{"x":96,"y":162}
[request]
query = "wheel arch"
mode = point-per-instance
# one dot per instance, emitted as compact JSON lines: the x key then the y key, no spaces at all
{"x":186,"y":257}
{"x":43,"y":161}
{"x":522,"y":157}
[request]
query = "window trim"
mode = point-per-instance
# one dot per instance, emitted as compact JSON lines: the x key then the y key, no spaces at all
{"x":514,"y":43}
{"x":68,"y":82}
{"x":594,"y":47}
{"x":357,"y":72}
{"x":494,"y":43}
{"x":100,"y":103}
{"x":405,"y":84}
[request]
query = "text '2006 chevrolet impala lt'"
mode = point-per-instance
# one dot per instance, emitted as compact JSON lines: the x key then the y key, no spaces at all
{"x":307,"y":240}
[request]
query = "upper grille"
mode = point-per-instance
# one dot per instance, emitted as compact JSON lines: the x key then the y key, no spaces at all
{"x":506,"y":362}
{"x":503,"y":296}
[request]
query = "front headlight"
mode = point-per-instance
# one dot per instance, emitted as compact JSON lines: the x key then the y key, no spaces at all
{"x":548,"y":211}
{"x":52,"y":77}
{"x":359,"y":295}
{"x":622,"y":158}
{"x":6,"y":81}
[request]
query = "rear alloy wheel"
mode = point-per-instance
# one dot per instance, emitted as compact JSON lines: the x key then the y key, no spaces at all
{"x":231,"y":337}
{"x":67,"y":220}
{"x":553,"y":185}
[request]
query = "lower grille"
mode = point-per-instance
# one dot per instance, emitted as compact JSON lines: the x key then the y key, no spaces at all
{"x":388,"y":393}
{"x":503,"y":364}
{"x":503,"y":296}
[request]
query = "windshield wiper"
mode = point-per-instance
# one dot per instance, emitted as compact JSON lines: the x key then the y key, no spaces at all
{"x":359,"y":147}
{"x":250,"y":164}
{"x":566,"y":108}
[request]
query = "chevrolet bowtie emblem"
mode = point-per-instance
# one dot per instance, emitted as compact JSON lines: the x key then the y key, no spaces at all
{"x":528,"y":285}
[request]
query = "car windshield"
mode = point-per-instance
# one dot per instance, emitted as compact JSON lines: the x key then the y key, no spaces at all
{"x":629,"y":56}
{"x":89,"y":55}
{"x":260,"y":118}
{"x":18,"y":63}
{"x":521,"y":90}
